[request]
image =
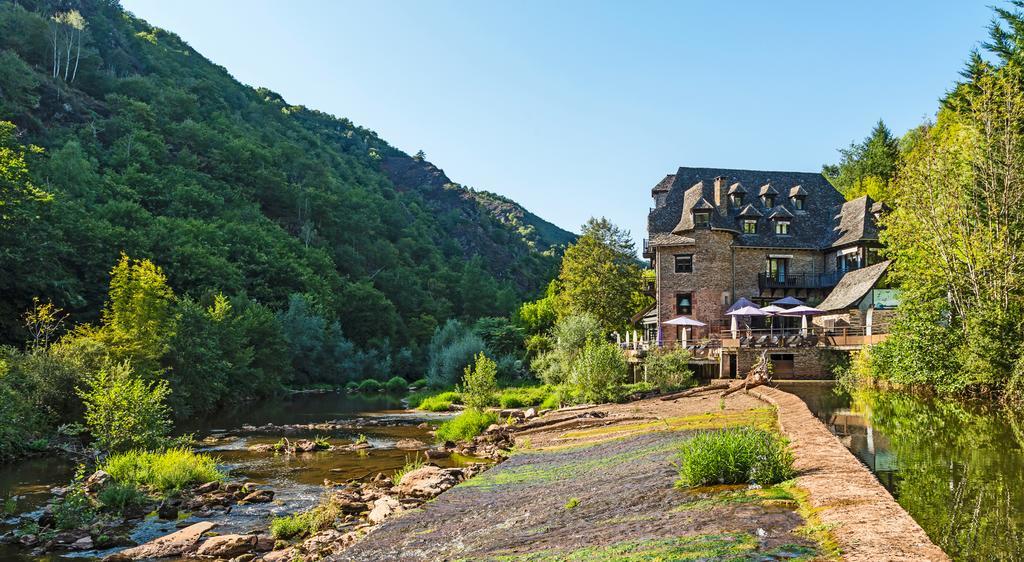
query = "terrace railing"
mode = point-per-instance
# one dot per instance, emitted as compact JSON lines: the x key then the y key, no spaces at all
{"x":799,"y":280}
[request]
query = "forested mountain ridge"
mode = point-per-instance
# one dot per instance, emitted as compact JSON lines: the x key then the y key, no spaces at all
{"x":151,"y":150}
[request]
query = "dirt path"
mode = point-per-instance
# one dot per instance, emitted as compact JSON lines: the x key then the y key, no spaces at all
{"x":600,"y":489}
{"x":866,"y":521}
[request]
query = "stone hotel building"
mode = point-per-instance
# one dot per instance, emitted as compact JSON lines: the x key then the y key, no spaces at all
{"x":717,"y":235}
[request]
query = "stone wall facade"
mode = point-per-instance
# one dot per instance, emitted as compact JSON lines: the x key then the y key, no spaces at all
{"x":721,"y":274}
{"x":807,"y":363}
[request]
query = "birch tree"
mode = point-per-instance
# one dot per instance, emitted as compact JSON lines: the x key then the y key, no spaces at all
{"x":66,"y":33}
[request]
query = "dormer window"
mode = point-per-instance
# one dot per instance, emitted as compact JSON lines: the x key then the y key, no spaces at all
{"x":782,"y":227}
{"x":701,"y":219}
{"x":749,"y":226}
{"x":798,"y":195}
{"x":735,"y":200}
{"x":768,"y":200}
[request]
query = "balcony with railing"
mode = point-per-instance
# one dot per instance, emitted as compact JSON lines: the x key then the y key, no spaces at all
{"x":648,"y":251}
{"x":798,"y":280}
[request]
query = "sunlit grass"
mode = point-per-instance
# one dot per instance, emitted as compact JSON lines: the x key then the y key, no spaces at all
{"x":166,"y":471}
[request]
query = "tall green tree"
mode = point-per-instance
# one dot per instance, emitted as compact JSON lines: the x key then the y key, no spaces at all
{"x":138,"y":321}
{"x":600,"y":274}
{"x":867,"y":167}
{"x":957,"y":236}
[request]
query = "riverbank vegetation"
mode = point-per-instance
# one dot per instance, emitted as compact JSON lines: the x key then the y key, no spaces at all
{"x":956,"y":228}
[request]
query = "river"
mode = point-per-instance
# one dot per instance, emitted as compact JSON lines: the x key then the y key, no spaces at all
{"x":956,"y":467}
{"x":298,"y":480}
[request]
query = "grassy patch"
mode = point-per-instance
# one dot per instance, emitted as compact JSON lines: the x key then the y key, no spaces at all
{"x":303,"y":524}
{"x":552,"y":401}
{"x":466,"y":425}
{"x":370,"y":385}
{"x":757,"y":417}
{"x":714,"y":496}
{"x":396,"y":384}
{"x":543,"y":396}
{"x":167,"y":471}
{"x":524,"y":396}
{"x":552,"y":471}
{"x":735,"y":456}
{"x":573,"y":502}
{"x":728,"y":546}
{"x":439,"y":402}
{"x":814,"y":528}
{"x":118,"y":497}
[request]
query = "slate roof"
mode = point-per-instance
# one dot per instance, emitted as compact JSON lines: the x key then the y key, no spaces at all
{"x":855,"y":222}
{"x":665,"y":184}
{"x":749,"y":211}
{"x":819,"y":225}
{"x":853,"y":286}
{"x":669,"y":239}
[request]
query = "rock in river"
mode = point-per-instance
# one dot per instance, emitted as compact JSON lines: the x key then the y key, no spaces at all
{"x":227,"y":546}
{"x":383,"y":508}
{"x":410,"y":444}
{"x":428,"y":481}
{"x":259,"y":496}
{"x":95,"y":482}
{"x":177,"y":543}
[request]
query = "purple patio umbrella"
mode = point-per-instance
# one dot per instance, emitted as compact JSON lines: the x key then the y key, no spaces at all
{"x":788,"y":301}
{"x":740,"y":303}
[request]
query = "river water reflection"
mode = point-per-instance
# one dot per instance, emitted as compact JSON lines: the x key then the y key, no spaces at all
{"x":957,"y":468}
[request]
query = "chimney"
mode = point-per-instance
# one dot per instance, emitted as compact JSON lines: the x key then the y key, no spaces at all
{"x":721,"y":191}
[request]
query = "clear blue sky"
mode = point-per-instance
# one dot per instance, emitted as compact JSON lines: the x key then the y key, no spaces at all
{"x":577,"y":108}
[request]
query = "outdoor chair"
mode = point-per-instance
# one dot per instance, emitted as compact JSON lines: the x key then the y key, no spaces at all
{"x":761,"y":341}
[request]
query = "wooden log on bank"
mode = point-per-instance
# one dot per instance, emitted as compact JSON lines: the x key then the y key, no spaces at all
{"x":547,"y":421}
{"x":694,"y":391}
{"x":759,"y":374}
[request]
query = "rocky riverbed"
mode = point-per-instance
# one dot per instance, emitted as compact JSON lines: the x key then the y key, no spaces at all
{"x":298,"y":479}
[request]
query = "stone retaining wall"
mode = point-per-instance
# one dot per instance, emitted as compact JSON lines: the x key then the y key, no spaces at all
{"x":868,"y":523}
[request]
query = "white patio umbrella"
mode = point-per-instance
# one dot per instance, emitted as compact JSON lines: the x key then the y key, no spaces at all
{"x":685,"y":322}
{"x":803,"y":312}
{"x":772,"y":310}
{"x":749,"y":310}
